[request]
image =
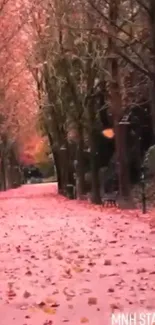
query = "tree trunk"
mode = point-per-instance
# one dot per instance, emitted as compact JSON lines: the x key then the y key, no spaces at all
{"x":152,"y":101}
{"x":95,"y":191}
{"x":3,"y":173}
{"x":116,"y":108}
{"x":3,"y":163}
{"x":14,"y":172}
{"x":64,"y":165}
{"x":80,"y":168}
{"x":58,"y":133}
{"x":122,"y":161}
{"x":57,"y":159}
{"x":8,"y":174}
{"x":152,"y":86}
{"x":56,"y":156}
{"x":120,"y":136}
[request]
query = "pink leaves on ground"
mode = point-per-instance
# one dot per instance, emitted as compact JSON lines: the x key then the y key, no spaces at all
{"x":68,"y":261}
{"x":11,"y":293}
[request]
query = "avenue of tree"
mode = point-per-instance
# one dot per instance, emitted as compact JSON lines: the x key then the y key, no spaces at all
{"x":72,"y":72}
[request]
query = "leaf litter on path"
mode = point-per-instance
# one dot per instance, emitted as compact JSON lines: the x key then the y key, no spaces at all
{"x":79,"y":260}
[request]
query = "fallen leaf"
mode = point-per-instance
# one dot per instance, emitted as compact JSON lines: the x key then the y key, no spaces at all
{"x":11,"y":293}
{"x":81,"y":256}
{"x":41,"y":304}
{"x":55,"y":292}
{"x":49,"y":310}
{"x":91,"y":263}
{"x":23,"y":307}
{"x":114,"y":307}
{"x":48,"y":254}
{"x":141,"y":270}
{"x":84,"y":320}
{"x":70,"y":294}
{"x":102,"y":276}
{"x":107,"y":262}
{"x":28,"y":272}
{"x":113,"y":242}
{"x":32,"y":309}
{"x":18,"y":248}
{"x":59,"y":256}
{"x":70,"y":306}
{"x":49,"y":300}
{"x":26,"y":294}
{"x":68,"y":274}
{"x":92,"y":301}
{"x":73,"y":252}
{"x":86,"y":290}
{"x":78,"y":269}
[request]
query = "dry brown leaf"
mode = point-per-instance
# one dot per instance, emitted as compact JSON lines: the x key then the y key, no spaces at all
{"x":18,"y":249}
{"x":86,"y":290}
{"x":107,"y":262}
{"x":26,"y":294}
{"x":41,"y":304}
{"x":68,"y":294}
{"x":78,"y":269}
{"x":91,"y":263}
{"x":48,"y":254}
{"x":102,"y":276}
{"x":108,"y":133}
{"x":73,"y":251}
{"x":141,"y":270}
{"x":53,"y":303}
{"x":92,"y":301}
{"x":115,"y":306}
{"x":49,"y":310}
{"x":33,"y":309}
{"x":50,"y":300}
{"x":67,"y":274}
{"x":55,"y":292}
{"x":59,"y":256}
{"x":84,"y":320}
{"x":11,"y":293}
{"x":28,"y":272}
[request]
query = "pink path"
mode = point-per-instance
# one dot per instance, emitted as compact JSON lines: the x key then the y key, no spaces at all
{"x":80,"y":262}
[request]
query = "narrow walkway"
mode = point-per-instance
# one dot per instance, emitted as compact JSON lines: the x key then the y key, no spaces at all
{"x":67,"y":262}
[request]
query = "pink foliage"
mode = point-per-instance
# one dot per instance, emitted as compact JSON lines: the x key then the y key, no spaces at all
{"x":17,"y":85}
